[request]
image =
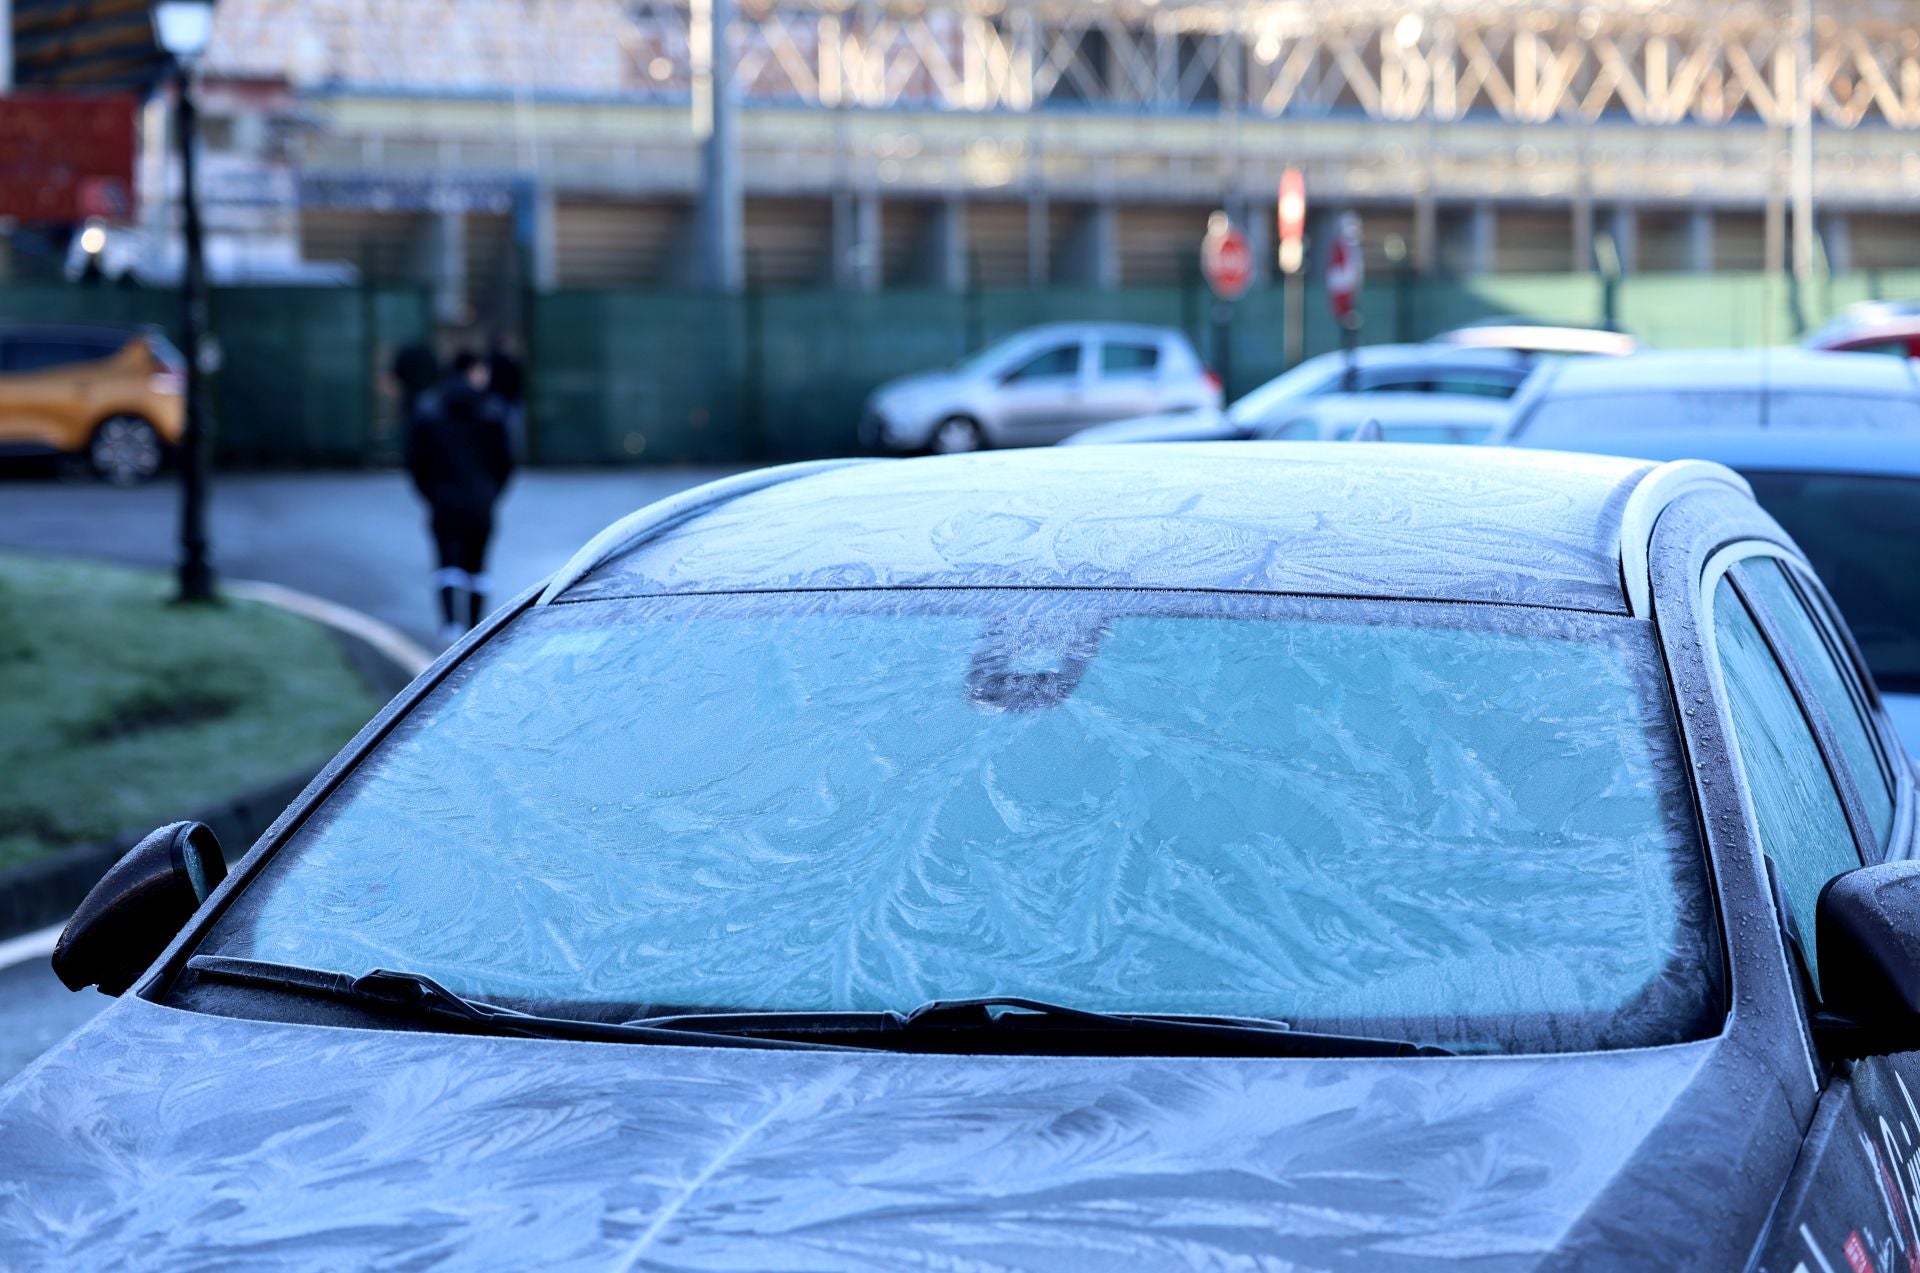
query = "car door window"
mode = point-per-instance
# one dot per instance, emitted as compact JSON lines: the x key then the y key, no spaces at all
{"x":1803,"y":826}
{"x":1829,"y":410}
{"x":1816,"y":653}
{"x":30,"y":353}
{"x":1446,"y":434}
{"x":47,"y":353}
{"x":1056,"y":363}
{"x":1897,"y":348}
{"x":1119,"y":359}
{"x":1856,"y":530}
{"x":1396,"y":381}
{"x":1475,"y":384}
{"x":86,"y":349}
{"x":1295,"y":429}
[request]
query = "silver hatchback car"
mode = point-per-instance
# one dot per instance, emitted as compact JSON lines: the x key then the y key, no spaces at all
{"x":1038,"y":386}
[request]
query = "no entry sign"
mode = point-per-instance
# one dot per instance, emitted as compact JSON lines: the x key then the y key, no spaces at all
{"x":1344,"y":268}
{"x":1225,"y":258}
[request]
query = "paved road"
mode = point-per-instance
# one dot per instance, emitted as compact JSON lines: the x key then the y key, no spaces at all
{"x":355,"y":538}
{"x":36,"y":1012}
{"x":358,"y":539}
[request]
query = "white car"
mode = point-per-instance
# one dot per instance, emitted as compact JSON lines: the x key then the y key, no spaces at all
{"x":1448,"y":419}
{"x":1829,"y":442}
{"x":1040,"y":385}
{"x":1330,"y":417}
{"x":1440,"y":370}
{"x":1524,"y":336}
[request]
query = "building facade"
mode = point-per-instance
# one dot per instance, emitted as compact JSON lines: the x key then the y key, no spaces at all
{"x":483,"y":147}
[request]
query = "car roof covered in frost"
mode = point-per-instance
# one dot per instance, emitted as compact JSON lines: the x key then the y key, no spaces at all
{"x":1340,"y":519}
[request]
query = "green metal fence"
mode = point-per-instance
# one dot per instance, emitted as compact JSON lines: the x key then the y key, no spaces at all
{"x":632,"y":375}
{"x":674,"y":376}
{"x":665,"y":376}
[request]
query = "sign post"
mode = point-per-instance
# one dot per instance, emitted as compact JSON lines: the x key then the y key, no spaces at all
{"x":1290,"y":224}
{"x":182,"y":28}
{"x":1345,"y":271}
{"x":1227,"y":263}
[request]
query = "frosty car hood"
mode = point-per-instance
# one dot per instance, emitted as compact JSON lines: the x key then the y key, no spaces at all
{"x":159,"y":1138}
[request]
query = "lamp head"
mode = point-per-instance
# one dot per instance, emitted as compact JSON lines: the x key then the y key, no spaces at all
{"x":183,"y":28}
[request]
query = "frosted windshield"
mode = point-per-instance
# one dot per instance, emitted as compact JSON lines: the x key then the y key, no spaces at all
{"x":1467,"y":825}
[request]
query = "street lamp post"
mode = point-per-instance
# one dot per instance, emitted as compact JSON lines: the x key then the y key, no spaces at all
{"x":182,"y":28}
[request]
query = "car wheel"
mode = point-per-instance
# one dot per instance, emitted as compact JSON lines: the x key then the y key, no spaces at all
{"x":125,"y":450}
{"x":956,"y":435}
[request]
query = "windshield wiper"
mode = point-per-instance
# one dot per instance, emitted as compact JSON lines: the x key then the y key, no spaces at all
{"x":420,"y":998}
{"x":1031,"y":1020}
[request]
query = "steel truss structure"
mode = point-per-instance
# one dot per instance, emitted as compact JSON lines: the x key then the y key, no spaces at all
{"x":1649,"y":63}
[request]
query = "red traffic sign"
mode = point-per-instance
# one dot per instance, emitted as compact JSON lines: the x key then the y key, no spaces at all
{"x":1225,"y":259}
{"x":1345,"y":269}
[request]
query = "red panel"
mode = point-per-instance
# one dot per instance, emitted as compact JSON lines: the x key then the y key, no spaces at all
{"x":66,"y":156}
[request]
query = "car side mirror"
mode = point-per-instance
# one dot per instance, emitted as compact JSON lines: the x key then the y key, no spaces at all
{"x":138,"y":907}
{"x":1867,"y":930}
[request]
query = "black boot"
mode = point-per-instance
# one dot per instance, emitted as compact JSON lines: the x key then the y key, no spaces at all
{"x":476,"y":608}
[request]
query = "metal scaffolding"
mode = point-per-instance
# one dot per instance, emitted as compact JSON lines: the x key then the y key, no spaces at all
{"x":1693,"y":61}
{"x":1700,"y":63}
{"x":1483,"y":135}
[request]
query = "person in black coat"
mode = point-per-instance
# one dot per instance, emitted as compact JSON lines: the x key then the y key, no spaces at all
{"x":507,"y":381}
{"x":460,"y":457}
{"x":416,"y":370}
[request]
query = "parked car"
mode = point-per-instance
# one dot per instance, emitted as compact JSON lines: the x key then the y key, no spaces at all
{"x":1829,"y":442}
{"x":108,"y":395}
{"x":1232,"y":856}
{"x":1398,"y":369}
{"x":1332,"y":417}
{"x":1038,"y":386}
{"x":1872,"y":327}
{"x":1526,"y":336}
{"x":1389,"y":417}
{"x":1704,"y":389}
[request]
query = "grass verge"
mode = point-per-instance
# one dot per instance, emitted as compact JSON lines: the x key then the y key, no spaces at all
{"x":120,"y":711}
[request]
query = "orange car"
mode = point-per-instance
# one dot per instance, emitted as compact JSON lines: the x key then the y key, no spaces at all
{"x":110,"y":395}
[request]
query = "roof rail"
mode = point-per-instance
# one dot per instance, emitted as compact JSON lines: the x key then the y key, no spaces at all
{"x":1660,"y":487}
{"x":644,"y":522}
